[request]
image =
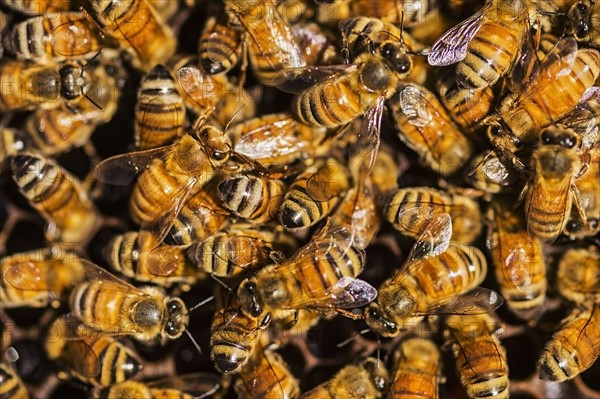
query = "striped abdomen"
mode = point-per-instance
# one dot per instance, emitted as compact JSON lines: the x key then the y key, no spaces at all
{"x":410,"y":210}
{"x":251,"y":197}
{"x":11,"y":386}
{"x":417,"y":371}
{"x":463,"y":267}
{"x":547,"y":206}
{"x":267,"y":377}
{"x":27,"y":85}
{"x":137,"y":27}
{"x":490,"y":54}
{"x":159,"y":111}
{"x":219,"y":47}
{"x":57,"y":195}
{"x":550,"y":97}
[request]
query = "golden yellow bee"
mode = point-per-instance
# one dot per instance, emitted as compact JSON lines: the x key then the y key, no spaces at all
{"x":480,"y":357}
{"x":271,"y":44}
{"x":519,"y":263}
{"x":563,"y":78}
{"x":220,"y":46}
{"x":582,"y":22}
{"x":589,"y":193}
{"x":426,"y":128}
{"x":57,"y":195}
{"x":313,"y":194}
{"x":159,"y":111}
{"x":38,"y":278}
{"x":90,"y":356}
{"x":234,"y":336}
{"x":138,"y":29}
{"x":438,"y":276}
{"x":187,"y":386}
{"x":410,"y":210}
{"x":57,"y":130}
{"x":112,"y":306}
{"x":486,"y":45}
{"x":574,"y":347}
{"x":266,"y":376}
{"x":321,"y":276}
{"x":578,"y":275}
{"x":54,"y":37}
{"x":417,"y":374}
{"x":11,"y":385}
{"x":252,"y":197}
{"x":29,"y":85}
{"x":367,"y":380}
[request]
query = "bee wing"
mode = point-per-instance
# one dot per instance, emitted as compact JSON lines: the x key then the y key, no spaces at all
{"x":410,"y":212}
{"x":296,"y":80}
{"x":322,"y":242}
{"x":346,"y":293}
{"x":433,"y":241}
{"x":29,"y":276}
{"x":415,"y":105}
{"x":194,"y":83}
{"x":163,"y":259}
{"x":518,"y":262}
{"x":93,"y":272}
{"x":367,"y":142}
{"x":75,"y":36}
{"x":323,"y":185}
{"x":122,"y":169}
{"x":583,"y":118}
{"x":558,"y":62}
{"x":451,"y":47}
{"x":477,"y":301}
{"x":195,"y":385}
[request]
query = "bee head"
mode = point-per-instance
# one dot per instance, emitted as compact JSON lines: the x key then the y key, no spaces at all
{"x":378,"y":323}
{"x":396,"y":56}
{"x":377,"y":372}
{"x":578,"y":19}
{"x":215,"y":143}
{"x":177,"y":318}
{"x":248,"y":297}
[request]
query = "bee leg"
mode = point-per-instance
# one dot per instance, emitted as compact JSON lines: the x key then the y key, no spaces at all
{"x":294,"y":321}
{"x":349,"y":314}
{"x":522,"y":194}
{"x":244,"y":64}
{"x":578,"y":206}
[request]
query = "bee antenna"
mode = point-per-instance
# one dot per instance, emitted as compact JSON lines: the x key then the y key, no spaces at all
{"x":201,"y":303}
{"x":194,"y":342}
{"x":221,"y":283}
{"x":233,"y":117}
{"x":353,"y":338}
{"x":91,"y":100}
{"x":402,"y":28}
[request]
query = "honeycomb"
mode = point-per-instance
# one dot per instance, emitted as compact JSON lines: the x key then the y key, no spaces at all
{"x":313,"y":357}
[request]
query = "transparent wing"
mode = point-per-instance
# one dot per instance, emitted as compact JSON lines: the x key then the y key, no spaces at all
{"x":122,"y":169}
{"x":194,"y":83}
{"x":327,"y":182}
{"x":95,"y":273}
{"x":296,"y":80}
{"x":74,"y":35}
{"x":350,"y":293}
{"x":412,"y":216}
{"x":32,"y":276}
{"x":434,"y":239}
{"x":163,"y":260}
{"x":517,"y":263}
{"x":477,"y":301}
{"x":366,"y":146}
{"x":451,"y":47}
{"x":415,"y":106}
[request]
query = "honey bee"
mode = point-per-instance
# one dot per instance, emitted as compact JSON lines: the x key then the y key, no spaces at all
{"x":29,"y":85}
{"x":266,"y":376}
{"x":489,"y":175}
{"x":367,"y":380}
{"x":57,"y":130}
{"x":252,"y":197}
{"x":578,"y":275}
{"x":480,"y":357}
{"x":486,"y":45}
{"x":582,"y":22}
{"x":418,"y":370}
{"x":138,"y":29}
{"x":187,"y":386}
{"x":271,"y":44}
{"x":112,"y":306}
{"x":38,"y":278}
{"x":320,"y":276}
{"x":89,"y":355}
{"x":549,"y":195}
{"x":426,"y":128}
{"x":12,"y":141}
{"x":220,"y":46}
{"x":587,"y":185}
{"x":566,"y":74}
{"x":313,"y":194}
{"x":223,"y":254}
{"x":37,"y":7}
{"x":574,"y":347}
{"x":468,"y":108}
{"x":410,"y":210}
{"x":277,"y":139}
{"x":234,"y":336}
{"x":128,"y":254}
{"x":438,"y":276}
{"x":11,"y":385}
{"x":54,"y":38}
{"x":518,"y":260}
{"x":57,"y":195}
{"x":210,"y":95}
{"x":159,"y":111}
{"x":169,"y":175}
